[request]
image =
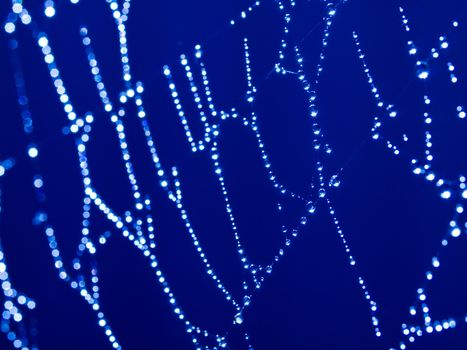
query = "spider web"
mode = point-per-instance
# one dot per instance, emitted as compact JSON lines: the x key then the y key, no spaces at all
{"x":138,"y":225}
{"x":15,"y":304}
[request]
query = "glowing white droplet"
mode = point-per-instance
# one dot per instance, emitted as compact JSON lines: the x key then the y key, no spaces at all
{"x":334,"y":181}
{"x":9,"y":27}
{"x":461,"y":113}
{"x":238,"y":318}
{"x":392,"y":112}
{"x":49,"y":11}
{"x":310,"y":207}
{"x":17,"y":8}
{"x":33,"y":152}
{"x":446,"y":194}
{"x":331,"y":9}
{"x":455,"y":232}
{"x":422,"y":70}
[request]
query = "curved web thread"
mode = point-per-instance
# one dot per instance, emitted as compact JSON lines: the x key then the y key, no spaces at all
{"x":16,"y":305}
{"x":320,"y":147}
{"x":138,"y":225}
{"x":449,"y":189}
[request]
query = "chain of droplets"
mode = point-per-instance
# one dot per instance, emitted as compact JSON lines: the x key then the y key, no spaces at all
{"x":244,"y":14}
{"x":82,"y":127}
{"x":41,"y":219}
{"x":212,"y":132}
{"x":14,"y":303}
{"x":175,"y":195}
{"x":454,"y":189}
{"x":318,"y":138}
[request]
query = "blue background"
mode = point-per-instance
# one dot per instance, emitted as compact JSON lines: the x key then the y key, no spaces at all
{"x":394,"y":221}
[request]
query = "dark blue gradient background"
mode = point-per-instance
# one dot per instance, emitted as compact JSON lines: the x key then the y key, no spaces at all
{"x":394,"y":221}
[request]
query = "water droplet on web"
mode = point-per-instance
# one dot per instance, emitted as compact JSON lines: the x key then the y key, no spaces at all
{"x":316,"y":129}
{"x":417,"y":169}
{"x":321,"y":193}
{"x":313,"y":110}
{"x":391,"y":111}
{"x":312,"y":95}
{"x":310,"y":207}
{"x":446,"y":194}
{"x":331,"y":8}
{"x":412,"y":48}
{"x":334,"y":181}
{"x":455,"y":231}
{"x":460,"y":112}
{"x":39,"y":218}
{"x":250,"y":96}
{"x":423,"y":70}
{"x":239,"y":318}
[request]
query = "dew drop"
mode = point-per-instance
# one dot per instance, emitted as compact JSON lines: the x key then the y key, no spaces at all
{"x":423,"y":70}
{"x":310,"y":207}
{"x":334,"y":181}
{"x":316,"y":144}
{"x":239,"y":318}
{"x":392,"y":111}
{"x":460,"y":112}
{"x":316,"y":129}
{"x":455,"y":232}
{"x":331,"y":8}
{"x":412,"y":48}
